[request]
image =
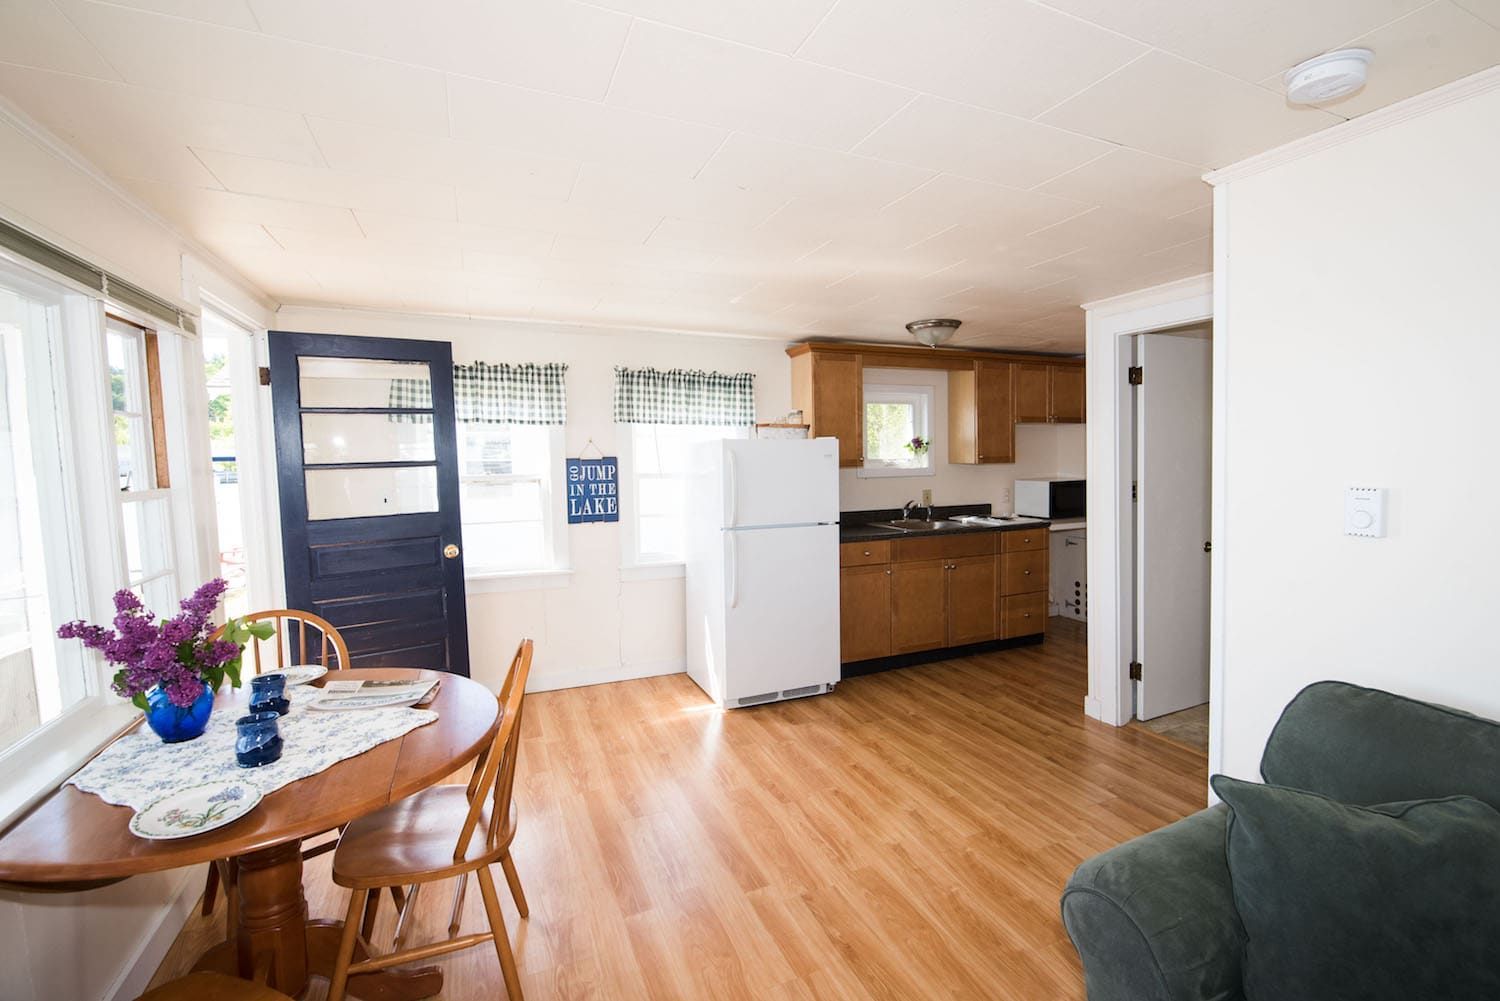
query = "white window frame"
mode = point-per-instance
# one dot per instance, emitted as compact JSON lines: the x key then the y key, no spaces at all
{"x":923,"y":399}
{"x":82,"y":411}
{"x":634,"y":563}
{"x":554,"y":534}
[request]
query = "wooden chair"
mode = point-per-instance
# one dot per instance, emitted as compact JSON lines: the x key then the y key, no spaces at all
{"x":212,"y":987}
{"x":331,"y":652}
{"x":330,"y":647}
{"x":439,"y":833}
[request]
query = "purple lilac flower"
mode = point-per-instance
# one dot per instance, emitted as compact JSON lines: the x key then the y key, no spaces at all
{"x":147,"y":650}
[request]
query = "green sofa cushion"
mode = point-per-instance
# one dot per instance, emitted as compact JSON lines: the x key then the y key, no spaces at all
{"x":1348,"y":903}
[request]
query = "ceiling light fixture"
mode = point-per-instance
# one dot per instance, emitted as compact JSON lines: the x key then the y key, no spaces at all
{"x":1328,"y":77}
{"x":932,"y":332}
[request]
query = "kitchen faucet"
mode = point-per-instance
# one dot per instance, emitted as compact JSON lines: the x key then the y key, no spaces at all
{"x":911,"y":506}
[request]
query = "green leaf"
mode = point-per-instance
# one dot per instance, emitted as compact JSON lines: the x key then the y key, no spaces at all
{"x":139,"y":700}
{"x":260,"y":630}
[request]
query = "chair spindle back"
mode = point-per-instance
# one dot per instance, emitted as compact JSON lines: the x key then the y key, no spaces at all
{"x":495,"y":771}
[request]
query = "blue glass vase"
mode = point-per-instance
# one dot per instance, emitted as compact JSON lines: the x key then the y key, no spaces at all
{"x":173,"y":724}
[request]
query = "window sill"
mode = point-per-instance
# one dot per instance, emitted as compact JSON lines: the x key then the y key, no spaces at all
{"x":47,"y":758}
{"x":872,"y":472}
{"x":498,"y":581}
{"x":652,"y":571}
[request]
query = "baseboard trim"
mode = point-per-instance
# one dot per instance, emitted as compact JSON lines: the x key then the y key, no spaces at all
{"x":552,"y":682}
{"x":153,"y":946}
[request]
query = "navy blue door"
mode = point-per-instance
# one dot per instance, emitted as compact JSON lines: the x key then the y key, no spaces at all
{"x":366,"y":457}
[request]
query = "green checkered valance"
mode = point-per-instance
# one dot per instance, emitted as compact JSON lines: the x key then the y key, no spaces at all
{"x":494,"y":394}
{"x":682,"y":396}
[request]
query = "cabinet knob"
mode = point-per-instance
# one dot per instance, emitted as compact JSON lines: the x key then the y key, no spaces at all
{"x":1025,"y":615}
{"x":1025,"y":538}
{"x":887,"y":573}
{"x":867,"y":552}
{"x":1026,"y":573}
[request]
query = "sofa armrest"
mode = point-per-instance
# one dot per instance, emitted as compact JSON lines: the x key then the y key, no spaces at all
{"x":1154,"y":919}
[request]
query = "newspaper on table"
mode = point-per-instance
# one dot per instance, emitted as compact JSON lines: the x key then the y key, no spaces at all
{"x":367,"y":694}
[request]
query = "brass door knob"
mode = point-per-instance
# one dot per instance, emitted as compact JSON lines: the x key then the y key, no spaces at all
{"x":450,"y":552}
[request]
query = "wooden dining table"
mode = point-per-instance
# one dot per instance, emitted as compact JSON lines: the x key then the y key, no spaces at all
{"x":73,"y":840}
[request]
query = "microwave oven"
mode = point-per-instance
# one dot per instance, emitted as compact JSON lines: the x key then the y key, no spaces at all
{"x":1057,"y":499}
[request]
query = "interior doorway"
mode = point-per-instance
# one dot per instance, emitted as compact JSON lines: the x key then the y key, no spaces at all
{"x":1172,"y":395}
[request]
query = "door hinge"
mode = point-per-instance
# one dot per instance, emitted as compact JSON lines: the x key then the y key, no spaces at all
{"x":265,"y":375}
{"x":1134,"y":490}
{"x":1137,"y":375}
{"x":1135,"y":670}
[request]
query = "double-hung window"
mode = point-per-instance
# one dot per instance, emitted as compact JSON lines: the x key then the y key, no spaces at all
{"x":510,"y":443}
{"x":665,"y":413}
{"x":138,"y":427}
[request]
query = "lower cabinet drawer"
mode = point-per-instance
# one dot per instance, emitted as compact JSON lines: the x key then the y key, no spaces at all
{"x":1023,"y":615}
{"x":1023,"y":572}
{"x":863,"y":554}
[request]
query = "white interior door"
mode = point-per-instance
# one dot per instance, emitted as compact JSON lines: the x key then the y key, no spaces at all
{"x":1173,"y":454}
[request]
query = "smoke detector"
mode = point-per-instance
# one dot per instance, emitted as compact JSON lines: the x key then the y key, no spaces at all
{"x":933,"y":332}
{"x":1328,"y":77}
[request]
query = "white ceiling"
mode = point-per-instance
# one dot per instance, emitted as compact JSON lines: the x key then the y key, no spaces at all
{"x":777,"y":167}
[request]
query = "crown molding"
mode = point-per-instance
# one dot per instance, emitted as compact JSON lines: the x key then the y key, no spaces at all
{"x":1374,"y":121}
{"x":12,"y":115}
{"x":1182,"y":288}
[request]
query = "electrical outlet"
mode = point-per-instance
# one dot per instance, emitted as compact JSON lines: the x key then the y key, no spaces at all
{"x":1005,"y":496}
{"x":926,"y":498}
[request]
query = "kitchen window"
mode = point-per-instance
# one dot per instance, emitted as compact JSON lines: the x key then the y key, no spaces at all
{"x":507,"y":499}
{"x":655,"y":481}
{"x":898,"y":431}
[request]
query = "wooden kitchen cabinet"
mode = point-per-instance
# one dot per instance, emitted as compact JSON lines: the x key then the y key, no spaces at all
{"x":971,"y":600}
{"x":1047,"y":393}
{"x":981,"y":425}
{"x":864,"y":612}
{"x":909,"y":595}
{"x":918,"y":606}
{"x":829,"y":390}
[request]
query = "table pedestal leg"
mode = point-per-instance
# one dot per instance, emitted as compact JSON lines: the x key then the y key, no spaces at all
{"x":268,"y":935}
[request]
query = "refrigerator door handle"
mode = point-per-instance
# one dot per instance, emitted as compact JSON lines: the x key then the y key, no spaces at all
{"x":734,"y":571}
{"x":734,"y":489}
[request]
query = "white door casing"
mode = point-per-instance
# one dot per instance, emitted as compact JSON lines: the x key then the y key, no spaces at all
{"x":1172,"y":514}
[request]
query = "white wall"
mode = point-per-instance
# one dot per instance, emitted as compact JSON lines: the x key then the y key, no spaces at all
{"x":1041,"y":450}
{"x":592,"y":626}
{"x":1356,"y":305}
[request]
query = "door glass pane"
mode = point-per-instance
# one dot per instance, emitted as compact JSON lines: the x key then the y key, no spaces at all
{"x":363,"y":382}
{"x":365,"y":438}
{"x":361,"y":493}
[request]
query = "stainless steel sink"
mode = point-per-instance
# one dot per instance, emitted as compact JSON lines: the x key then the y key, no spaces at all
{"x":918,"y":525}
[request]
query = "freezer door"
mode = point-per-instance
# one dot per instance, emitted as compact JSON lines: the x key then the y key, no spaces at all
{"x":769,"y":482}
{"x":781,"y":594}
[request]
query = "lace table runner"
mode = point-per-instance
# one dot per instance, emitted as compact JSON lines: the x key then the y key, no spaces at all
{"x":138,"y":769}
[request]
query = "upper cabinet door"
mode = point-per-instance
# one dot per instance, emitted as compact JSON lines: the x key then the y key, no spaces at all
{"x":996,"y":427}
{"x":1067,"y":394}
{"x":838,"y":404}
{"x":1032,"y":385}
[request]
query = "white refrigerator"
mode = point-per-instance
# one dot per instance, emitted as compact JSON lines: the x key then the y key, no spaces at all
{"x":763,"y":569}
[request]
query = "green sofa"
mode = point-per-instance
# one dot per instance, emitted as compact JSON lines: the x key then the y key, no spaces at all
{"x":1154,"y":919}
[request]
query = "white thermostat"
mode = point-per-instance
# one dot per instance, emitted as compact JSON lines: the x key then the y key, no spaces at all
{"x":1364,"y":512}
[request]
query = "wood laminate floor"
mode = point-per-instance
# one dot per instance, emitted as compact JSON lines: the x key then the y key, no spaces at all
{"x":903,"y":838}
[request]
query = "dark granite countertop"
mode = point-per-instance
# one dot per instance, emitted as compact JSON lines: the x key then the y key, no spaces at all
{"x":856,"y":526}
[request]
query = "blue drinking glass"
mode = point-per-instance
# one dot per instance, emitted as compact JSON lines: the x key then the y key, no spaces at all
{"x":258,"y":739}
{"x":268,"y":694}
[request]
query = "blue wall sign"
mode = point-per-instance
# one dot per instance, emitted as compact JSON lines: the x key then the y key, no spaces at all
{"x":593,"y":490}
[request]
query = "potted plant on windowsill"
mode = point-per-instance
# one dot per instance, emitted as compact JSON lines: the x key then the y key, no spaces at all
{"x":170,"y":668}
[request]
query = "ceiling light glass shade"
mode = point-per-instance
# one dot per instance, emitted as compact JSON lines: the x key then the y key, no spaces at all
{"x":1328,"y":77}
{"x":932,"y":332}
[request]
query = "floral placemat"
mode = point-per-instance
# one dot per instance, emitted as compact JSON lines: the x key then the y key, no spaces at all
{"x":138,"y":769}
